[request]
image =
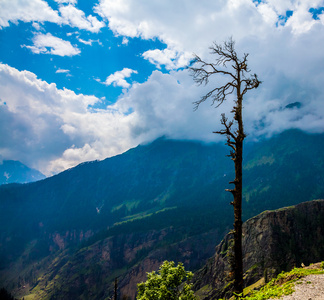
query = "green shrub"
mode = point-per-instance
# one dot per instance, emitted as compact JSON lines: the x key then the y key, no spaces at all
{"x":169,"y":282}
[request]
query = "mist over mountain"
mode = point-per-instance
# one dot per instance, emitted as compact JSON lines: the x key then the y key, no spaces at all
{"x":71,"y":234}
{"x":12,"y":171}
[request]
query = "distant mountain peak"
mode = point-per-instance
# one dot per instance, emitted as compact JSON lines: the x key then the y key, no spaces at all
{"x":12,"y":171}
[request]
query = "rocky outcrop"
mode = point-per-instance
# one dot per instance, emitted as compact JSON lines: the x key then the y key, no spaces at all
{"x":90,"y":271}
{"x":190,"y":251}
{"x":273,"y":241}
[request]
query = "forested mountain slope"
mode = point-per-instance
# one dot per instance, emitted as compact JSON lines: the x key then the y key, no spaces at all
{"x":154,"y":202}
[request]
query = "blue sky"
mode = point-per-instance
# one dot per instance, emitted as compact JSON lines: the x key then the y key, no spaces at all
{"x":83,"y":80}
{"x":91,"y":58}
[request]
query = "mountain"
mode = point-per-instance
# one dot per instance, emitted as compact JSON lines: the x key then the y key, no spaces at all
{"x":273,"y":241}
{"x":123,"y":216}
{"x":12,"y":171}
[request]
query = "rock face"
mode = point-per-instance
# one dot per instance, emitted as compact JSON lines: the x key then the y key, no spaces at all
{"x":89,"y":272}
{"x":273,"y":241}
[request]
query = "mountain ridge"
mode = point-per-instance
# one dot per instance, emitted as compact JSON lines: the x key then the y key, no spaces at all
{"x":160,"y":186}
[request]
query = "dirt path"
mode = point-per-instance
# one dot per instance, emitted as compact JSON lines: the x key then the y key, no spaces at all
{"x":310,"y":287}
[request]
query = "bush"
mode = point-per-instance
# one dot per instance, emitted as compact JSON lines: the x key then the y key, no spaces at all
{"x":169,"y":282}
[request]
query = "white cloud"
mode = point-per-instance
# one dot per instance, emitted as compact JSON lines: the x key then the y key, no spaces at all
{"x":37,"y":26}
{"x":163,"y":106}
{"x":76,"y":18}
{"x":285,"y":53}
{"x":62,"y":71}
{"x":188,"y":26}
{"x":182,"y":25}
{"x":170,"y":58}
{"x":290,"y":49}
{"x":39,"y":11}
{"x":52,"y":129}
{"x":26,"y":11}
{"x":66,"y":1}
{"x":118,"y":78}
{"x":49,"y":44}
{"x":89,"y":42}
{"x":301,"y":20}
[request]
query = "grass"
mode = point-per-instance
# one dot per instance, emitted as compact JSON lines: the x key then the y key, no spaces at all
{"x":30,"y":297}
{"x":282,"y":285}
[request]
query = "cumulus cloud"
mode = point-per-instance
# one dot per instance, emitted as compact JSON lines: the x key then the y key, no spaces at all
{"x":118,"y":78}
{"x":39,"y":11}
{"x":57,"y":127}
{"x":163,"y":106}
{"x":49,"y":44}
{"x":27,"y":11}
{"x":198,"y":24}
{"x":281,"y":37}
{"x":61,"y":129}
{"x":76,"y":18}
{"x":298,"y":18}
{"x":170,"y":58}
{"x":192,"y":29}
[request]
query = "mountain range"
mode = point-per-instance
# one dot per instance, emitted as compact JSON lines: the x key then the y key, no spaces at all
{"x":71,"y":235}
{"x":12,"y":171}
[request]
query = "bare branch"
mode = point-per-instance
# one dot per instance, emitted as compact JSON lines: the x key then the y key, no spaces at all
{"x":251,"y":83}
{"x":217,"y":95}
{"x":204,"y":70}
{"x":202,"y":73}
{"x":235,"y":181}
{"x":227,"y":131}
{"x":225,"y":53}
{"x":231,"y":191}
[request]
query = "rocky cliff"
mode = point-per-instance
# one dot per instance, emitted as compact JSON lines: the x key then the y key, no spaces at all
{"x":89,"y":272}
{"x":273,"y":241}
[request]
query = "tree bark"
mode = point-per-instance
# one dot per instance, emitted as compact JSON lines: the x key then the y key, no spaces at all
{"x":237,"y":204}
{"x":115,"y":289}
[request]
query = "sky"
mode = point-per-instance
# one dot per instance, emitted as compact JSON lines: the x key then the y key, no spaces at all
{"x":84,"y":80}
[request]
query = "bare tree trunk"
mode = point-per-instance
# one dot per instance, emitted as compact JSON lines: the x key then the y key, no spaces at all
{"x":115,"y":291}
{"x":241,"y":83}
{"x":237,"y":204}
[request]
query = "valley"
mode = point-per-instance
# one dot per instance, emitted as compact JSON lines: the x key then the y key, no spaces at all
{"x":69,"y":236}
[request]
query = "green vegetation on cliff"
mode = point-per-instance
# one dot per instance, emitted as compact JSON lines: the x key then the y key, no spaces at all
{"x":283,"y":284}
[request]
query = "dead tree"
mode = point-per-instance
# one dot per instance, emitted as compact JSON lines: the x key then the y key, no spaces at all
{"x":239,"y":82}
